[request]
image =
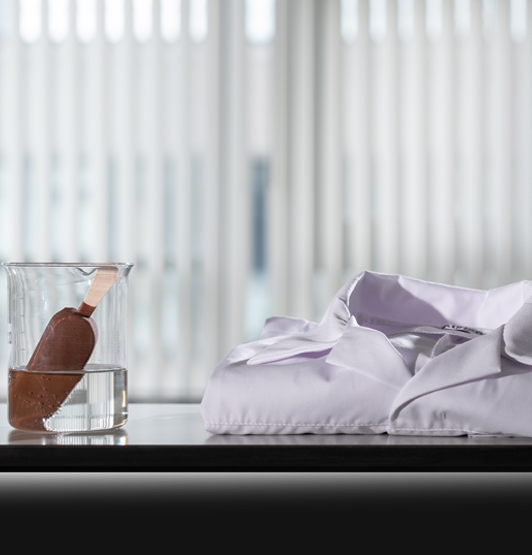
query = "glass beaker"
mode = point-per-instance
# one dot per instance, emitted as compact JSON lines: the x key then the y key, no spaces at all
{"x":66,"y":400}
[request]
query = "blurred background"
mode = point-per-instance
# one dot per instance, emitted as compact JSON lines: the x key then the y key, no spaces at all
{"x":250,"y":156}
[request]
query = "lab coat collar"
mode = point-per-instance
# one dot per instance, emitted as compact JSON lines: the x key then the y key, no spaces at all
{"x":476,"y":359}
{"x":347,"y":343}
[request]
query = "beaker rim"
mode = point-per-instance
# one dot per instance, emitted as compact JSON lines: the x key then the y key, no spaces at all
{"x":67,"y":264}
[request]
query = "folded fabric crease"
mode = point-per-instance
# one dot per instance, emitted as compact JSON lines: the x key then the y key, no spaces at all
{"x":392,"y":354}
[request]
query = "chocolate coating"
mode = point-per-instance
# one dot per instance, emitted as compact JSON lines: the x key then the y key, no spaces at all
{"x":36,"y":393}
{"x":66,"y":344}
{"x":34,"y":397}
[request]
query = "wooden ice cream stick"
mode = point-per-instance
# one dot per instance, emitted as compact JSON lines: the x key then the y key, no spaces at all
{"x":102,"y":282}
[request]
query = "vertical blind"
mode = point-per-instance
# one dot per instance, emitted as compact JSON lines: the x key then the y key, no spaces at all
{"x":251,"y":156}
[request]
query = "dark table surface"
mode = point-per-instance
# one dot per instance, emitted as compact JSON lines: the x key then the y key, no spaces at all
{"x":163,"y":463}
{"x":170,"y":437}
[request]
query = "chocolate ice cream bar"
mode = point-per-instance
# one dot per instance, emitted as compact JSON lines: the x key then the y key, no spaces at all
{"x":65,"y":347}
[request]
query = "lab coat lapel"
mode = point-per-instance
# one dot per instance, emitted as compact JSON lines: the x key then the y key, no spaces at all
{"x":369,"y":352}
{"x":473,"y":360}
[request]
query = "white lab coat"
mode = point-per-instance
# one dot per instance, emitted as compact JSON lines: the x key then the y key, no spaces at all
{"x":392,"y":354}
